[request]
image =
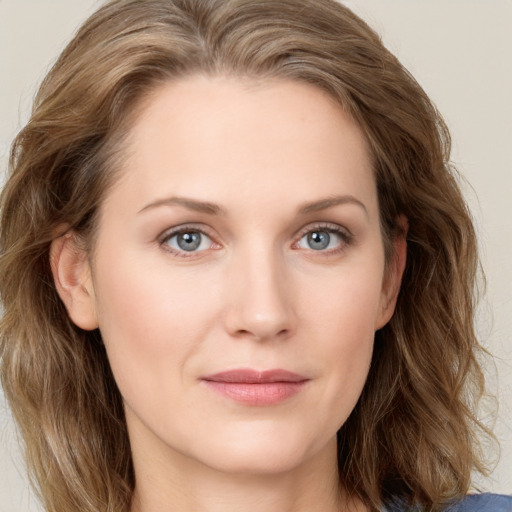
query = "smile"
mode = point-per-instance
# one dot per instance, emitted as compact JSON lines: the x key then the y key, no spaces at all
{"x":253,"y":387}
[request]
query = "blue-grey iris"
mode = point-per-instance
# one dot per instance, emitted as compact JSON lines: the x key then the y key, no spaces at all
{"x":319,"y":240}
{"x":189,"y":241}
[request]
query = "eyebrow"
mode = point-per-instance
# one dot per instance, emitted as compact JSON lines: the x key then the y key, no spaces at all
{"x":329,"y":202}
{"x":191,"y":204}
{"x":215,"y":209}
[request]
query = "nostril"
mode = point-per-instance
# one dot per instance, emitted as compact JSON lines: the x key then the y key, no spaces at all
{"x":262,"y":335}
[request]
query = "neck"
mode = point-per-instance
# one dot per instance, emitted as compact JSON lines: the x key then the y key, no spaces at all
{"x":177,"y":483}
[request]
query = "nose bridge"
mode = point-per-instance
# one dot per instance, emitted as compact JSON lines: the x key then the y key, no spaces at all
{"x":262,"y":303}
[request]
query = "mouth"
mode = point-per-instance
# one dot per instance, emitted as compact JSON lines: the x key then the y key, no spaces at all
{"x":255,"y":387}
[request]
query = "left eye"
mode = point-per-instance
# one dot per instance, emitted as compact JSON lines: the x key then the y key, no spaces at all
{"x":321,"y":240}
{"x":188,"y":241}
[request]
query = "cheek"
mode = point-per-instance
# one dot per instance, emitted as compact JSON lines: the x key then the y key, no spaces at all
{"x":346,"y":304}
{"x":342,"y":320}
{"x":151,"y":323}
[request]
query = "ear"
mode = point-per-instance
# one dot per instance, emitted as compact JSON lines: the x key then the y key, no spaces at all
{"x":72,"y":275}
{"x":394,"y":272}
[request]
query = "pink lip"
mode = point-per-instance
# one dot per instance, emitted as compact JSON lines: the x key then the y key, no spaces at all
{"x":253,"y":387}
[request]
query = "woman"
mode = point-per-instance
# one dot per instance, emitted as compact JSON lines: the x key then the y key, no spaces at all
{"x":237,"y":270}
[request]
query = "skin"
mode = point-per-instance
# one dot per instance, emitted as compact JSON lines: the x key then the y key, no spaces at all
{"x":275,"y":161}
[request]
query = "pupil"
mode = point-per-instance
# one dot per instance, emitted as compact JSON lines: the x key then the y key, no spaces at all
{"x":318,"y":240}
{"x":189,"y":241}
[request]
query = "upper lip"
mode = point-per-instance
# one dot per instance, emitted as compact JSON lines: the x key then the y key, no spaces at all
{"x":250,"y":376}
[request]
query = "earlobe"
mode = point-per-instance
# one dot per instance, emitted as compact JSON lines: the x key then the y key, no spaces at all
{"x":72,"y":276}
{"x":394,"y":273}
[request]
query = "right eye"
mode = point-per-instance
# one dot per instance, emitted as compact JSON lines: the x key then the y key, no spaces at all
{"x":185,"y":241}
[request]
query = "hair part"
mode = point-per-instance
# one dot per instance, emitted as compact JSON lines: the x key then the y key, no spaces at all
{"x":413,"y":433}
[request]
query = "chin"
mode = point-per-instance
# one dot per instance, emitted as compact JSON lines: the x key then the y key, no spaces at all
{"x":260,"y":462}
{"x":264,"y":453}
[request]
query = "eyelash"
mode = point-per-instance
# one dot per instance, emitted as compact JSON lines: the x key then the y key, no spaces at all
{"x":168,"y":235}
{"x":345,"y":236}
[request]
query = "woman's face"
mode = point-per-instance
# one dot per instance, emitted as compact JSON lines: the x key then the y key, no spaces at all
{"x":238,"y":275}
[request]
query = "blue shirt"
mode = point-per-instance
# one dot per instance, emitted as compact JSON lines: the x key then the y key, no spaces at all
{"x":483,"y":502}
{"x":473,"y":503}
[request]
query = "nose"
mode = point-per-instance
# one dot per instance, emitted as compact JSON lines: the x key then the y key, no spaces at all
{"x":261,"y":299}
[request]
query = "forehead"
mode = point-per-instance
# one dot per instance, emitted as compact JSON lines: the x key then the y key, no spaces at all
{"x":229,"y":140}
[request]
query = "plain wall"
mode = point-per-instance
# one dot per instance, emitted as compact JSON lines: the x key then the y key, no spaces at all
{"x":461,"y":53}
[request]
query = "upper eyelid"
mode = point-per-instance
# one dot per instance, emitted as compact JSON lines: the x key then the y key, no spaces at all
{"x":170,"y":232}
{"x":327,"y":226}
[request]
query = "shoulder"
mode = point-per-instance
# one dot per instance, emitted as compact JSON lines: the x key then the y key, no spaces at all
{"x":486,"y":502}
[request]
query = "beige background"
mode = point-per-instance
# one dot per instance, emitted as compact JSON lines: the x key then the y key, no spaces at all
{"x":459,"y":50}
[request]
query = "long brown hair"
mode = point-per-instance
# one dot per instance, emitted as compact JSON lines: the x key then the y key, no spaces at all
{"x":413,"y":433}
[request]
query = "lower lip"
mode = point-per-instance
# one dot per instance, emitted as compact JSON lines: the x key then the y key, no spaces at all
{"x":261,"y":393}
